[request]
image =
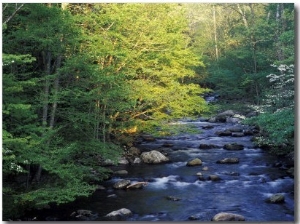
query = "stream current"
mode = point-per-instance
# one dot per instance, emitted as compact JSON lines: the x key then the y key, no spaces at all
{"x":243,"y":187}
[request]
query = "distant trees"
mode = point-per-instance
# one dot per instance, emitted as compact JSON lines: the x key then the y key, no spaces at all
{"x":252,"y":40}
{"x":249,"y":36}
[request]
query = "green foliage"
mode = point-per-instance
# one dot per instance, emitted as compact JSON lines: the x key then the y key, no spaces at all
{"x":76,"y":79}
{"x":277,"y":118}
{"x":277,"y":129}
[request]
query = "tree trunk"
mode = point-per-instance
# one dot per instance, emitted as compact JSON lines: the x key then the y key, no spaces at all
{"x":47,"y":69}
{"x":56,"y":87}
{"x":13,"y":14}
{"x":47,"y":56}
{"x":279,"y":12}
{"x":215,"y":31}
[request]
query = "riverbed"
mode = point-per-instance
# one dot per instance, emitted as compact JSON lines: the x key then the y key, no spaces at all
{"x":174,"y":191}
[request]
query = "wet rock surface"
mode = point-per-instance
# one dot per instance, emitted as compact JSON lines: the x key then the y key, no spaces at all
{"x":224,"y":216}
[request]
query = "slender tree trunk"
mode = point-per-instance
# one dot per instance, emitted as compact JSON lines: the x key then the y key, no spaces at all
{"x":252,"y":37}
{"x":215,"y":31}
{"x":28,"y":176}
{"x":279,"y":11}
{"x":96,"y":125}
{"x":56,"y":87}
{"x":104,"y":124}
{"x":243,"y":14}
{"x":47,"y":56}
{"x":13,"y":14}
{"x":47,"y":69}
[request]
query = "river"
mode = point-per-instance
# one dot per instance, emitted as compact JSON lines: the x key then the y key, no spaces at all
{"x":243,"y":187}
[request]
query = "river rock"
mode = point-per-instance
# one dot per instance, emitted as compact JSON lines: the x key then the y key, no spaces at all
{"x":248,"y":132}
{"x":233,"y":146}
{"x":232,"y":120}
{"x":276,"y":198}
{"x":212,"y":120}
{"x":237,"y":134}
{"x":108,"y":162}
{"x":172,"y":198}
{"x":123,"y":161}
{"x":137,"y":160}
{"x":199,"y":174}
{"x":118,"y":215}
{"x":100,"y":188}
{"x":222,"y":117}
{"x":224,"y":216}
{"x":153,"y":157}
{"x":227,"y":113}
{"x":82,"y":212}
{"x":194,"y":217}
{"x":236,"y":128}
{"x":194,"y":162}
{"x":166,"y":144}
{"x":121,"y":184}
{"x":208,"y":127}
{"x":137,"y":185}
{"x":208,"y":146}
{"x":112,"y":196}
{"x":133,"y":151}
{"x":228,"y":161}
{"x":148,"y":138}
{"x":214,"y":178}
{"x":205,"y":168}
{"x":223,"y":133}
{"x":84,"y":215}
{"x":231,"y":173}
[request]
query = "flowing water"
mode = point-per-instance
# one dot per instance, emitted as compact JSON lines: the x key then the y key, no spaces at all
{"x":243,"y":187}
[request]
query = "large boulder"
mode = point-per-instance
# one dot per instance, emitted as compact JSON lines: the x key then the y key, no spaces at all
{"x":153,"y":157}
{"x":118,"y":215}
{"x":227,"y":116}
{"x":233,"y":146}
{"x":222,"y":117}
{"x":194,"y":162}
{"x":225,"y":216}
{"x":228,"y":161}
{"x":122,"y":184}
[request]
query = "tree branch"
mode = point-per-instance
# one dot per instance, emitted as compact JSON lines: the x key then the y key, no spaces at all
{"x":13,"y":14}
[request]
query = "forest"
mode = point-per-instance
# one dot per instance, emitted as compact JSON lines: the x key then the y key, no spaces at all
{"x":81,"y":81}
